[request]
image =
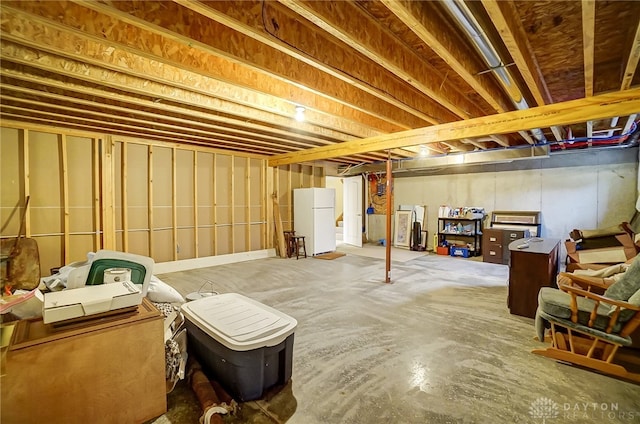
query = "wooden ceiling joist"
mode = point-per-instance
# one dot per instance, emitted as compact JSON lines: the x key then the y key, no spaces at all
{"x":602,"y":106}
{"x":347,"y":22}
{"x":238,"y":45}
{"x":179,"y":63}
{"x":632,"y":59}
{"x":168,"y":94}
{"x":315,"y":51}
{"x":588,"y":39}
{"x":504,"y":15}
{"x":435,"y":34}
{"x":155,"y":116}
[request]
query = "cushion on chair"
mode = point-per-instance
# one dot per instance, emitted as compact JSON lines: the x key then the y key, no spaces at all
{"x":557,"y":303}
{"x":614,"y":338}
{"x":628,"y":284}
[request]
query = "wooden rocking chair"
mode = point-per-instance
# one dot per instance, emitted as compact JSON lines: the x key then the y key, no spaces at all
{"x":586,"y":328}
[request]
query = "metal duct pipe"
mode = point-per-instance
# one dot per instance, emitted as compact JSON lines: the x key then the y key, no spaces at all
{"x":459,"y":10}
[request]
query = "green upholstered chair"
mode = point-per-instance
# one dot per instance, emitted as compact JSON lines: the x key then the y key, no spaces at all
{"x":585,"y":328}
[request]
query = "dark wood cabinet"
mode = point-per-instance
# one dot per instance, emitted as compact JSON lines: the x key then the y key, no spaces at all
{"x":531,"y":268}
{"x":495,"y":244}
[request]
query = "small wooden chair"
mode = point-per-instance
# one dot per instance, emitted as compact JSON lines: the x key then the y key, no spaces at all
{"x":288,"y":238}
{"x":298,"y":242}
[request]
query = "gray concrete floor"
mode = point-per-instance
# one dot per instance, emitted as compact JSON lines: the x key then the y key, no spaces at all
{"x":438,"y":345}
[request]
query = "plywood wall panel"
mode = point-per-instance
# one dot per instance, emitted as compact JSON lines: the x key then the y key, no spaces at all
{"x":81,"y":185}
{"x":117,"y":155}
{"x":256,"y":236}
{"x":220,"y":201}
{"x":185,"y":187}
{"x":139,"y":242}
{"x":206,"y":189}
{"x":318,"y":177}
{"x":186,"y":243}
{"x":223,"y":189}
{"x":50,"y":252}
{"x":239,"y":235}
{"x":79,"y":246}
{"x":223,"y":242}
{"x":137,"y":186}
{"x":162,"y":188}
{"x":206,"y":242}
{"x":306,"y":172}
{"x":45,"y":183}
{"x":11,"y":172}
{"x":163,"y":245}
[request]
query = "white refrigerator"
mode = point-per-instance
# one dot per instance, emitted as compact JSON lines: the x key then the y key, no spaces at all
{"x":314,"y":218}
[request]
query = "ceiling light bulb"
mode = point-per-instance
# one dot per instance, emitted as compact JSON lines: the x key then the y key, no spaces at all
{"x":300,"y":113}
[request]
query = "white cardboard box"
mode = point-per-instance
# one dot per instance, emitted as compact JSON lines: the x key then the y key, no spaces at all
{"x":89,"y":300}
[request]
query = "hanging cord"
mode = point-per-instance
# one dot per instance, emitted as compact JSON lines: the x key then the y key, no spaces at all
{"x":211,"y":292}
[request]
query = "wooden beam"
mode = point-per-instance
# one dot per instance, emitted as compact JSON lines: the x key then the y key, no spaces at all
{"x":229,"y":56}
{"x":66,"y":244}
{"x":603,"y":106}
{"x":26,"y":159}
{"x":214,"y":206}
{"x":588,"y":37}
{"x":389,"y":198}
{"x":348,"y":23}
{"x":124,"y":201}
{"x":436,"y":34}
{"x":196,"y":240}
{"x":261,"y":104}
{"x":165,"y":92}
{"x":108,"y":193}
{"x":149,"y":118}
{"x":478,"y":144}
{"x":633,"y":55}
{"x":316,"y":50}
{"x":500,"y":139}
{"x":504,"y":16}
{"x":150,"y":198}
{"x":95,"y":169}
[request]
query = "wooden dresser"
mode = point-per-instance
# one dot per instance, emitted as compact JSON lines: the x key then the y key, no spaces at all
{"x":104,"y":370}
{"x":530,"y":269}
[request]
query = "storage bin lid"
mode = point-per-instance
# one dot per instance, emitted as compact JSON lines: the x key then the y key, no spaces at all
{"x":238,"y":322}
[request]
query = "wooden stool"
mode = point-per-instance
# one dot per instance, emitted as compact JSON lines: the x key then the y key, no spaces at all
{"x":299,"y":241}
{"x":288,"y":238}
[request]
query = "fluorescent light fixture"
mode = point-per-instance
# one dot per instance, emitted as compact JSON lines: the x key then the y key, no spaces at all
{"x":300,"y":113}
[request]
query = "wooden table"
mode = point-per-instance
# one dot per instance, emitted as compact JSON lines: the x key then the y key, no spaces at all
{"x":530,"y":269}
{"x":106,"y":370}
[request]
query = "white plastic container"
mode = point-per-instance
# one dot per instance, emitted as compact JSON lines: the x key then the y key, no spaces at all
{"x":243,"y":344}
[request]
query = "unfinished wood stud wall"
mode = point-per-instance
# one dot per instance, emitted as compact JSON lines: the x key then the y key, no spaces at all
{"x":158,"y":199}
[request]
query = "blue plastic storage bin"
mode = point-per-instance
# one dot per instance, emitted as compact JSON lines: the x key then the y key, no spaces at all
{"x":459,"y":251}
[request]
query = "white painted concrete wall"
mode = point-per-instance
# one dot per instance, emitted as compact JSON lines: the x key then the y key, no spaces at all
{"x":583,"y":197}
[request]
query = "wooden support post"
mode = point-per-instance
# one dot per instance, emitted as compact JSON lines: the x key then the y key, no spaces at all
{"x":387,"y":277}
